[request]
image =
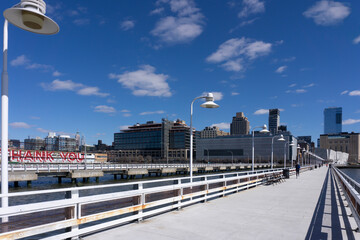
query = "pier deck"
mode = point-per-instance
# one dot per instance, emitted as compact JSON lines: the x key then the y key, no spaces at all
{"x":304,"y":208}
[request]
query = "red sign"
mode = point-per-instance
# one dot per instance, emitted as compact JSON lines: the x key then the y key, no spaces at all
{"x":44,"y":156}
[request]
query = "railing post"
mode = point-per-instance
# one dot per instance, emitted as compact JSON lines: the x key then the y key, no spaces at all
{"x":142,"y":201}
{"x":73,"y":213}
{"x":206,"y":189}
{"x":224,"y":186}
{"x":181,"y":193}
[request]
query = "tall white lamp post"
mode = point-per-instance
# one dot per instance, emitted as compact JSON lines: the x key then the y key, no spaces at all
{"x":291,"y":144}
{"x":263,"y":130}
{"x":28,"y":15}
{"x":281,"y":138}
{"x":209,"y":103}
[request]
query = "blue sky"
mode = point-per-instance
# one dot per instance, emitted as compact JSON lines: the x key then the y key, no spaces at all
{"x":115,"y":64}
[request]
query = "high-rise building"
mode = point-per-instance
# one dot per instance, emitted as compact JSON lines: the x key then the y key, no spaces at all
{"x":274,"y":120}
{"x":332,"y":120}
{"x":211,"y":132}
{"x":239,"y":125}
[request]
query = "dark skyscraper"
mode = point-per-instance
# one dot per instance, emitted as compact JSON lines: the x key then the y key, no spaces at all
{"x":274,"y":120}
{"x":332,"y":120}
{"x":239,"y":125}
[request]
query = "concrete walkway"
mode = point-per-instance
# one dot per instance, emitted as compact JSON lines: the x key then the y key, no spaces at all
{"x":304,"y":208}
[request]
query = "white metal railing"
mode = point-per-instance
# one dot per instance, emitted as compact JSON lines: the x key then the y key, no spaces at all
{"x":351,"y":188}
{"x":82,"y":210}
{"x":110,"y":167}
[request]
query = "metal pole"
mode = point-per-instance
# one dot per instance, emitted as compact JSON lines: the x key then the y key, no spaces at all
{"x":253,"y":151}
{"x":4,"y":122}
{"x":272,"y":152}
{"x":285,"y":154}
{"x":191,"y":140}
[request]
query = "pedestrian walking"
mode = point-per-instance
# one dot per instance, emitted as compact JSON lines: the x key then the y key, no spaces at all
{"x":297,"y":167}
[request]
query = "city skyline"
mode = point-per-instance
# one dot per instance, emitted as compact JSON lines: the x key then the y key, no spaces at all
{"x":119,"y":64}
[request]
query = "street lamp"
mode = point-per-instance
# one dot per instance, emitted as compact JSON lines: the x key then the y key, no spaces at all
{"x":291,"y":144}
{"x":281,"y":138}
{"x":263,"y":130}
{"x":209,"y":103}
{"x":30,"y":16}
{"x":297,"y":155}
{"x":232,"y":157}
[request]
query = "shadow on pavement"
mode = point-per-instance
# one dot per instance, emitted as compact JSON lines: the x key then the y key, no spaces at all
{"x":318,"y":229}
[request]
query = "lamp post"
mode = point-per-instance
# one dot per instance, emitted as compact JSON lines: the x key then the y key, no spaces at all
{"x":281,"y":138}
{"x":232,"y":157}
{"x":29,"y":16}
{"x":303,"y":156}
{"x":297,"y":153}
{"x":263,"y":130}
{"x":208,"y":104}
{"x":291,"y":144}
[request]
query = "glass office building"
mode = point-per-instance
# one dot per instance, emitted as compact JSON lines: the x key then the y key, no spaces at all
{"x":332,"y":120}
{"x":160,"y":138}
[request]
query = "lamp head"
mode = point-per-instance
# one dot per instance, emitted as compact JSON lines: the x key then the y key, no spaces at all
{"x":282,"y":139}
{"x":209,"y":102}
{"x":30,"y":16}
{"x":292,"y":143}
{"x":264,"y":129}
{"x":298,"y":146}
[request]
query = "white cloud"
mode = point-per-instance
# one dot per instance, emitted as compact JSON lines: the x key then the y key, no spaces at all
{"x":233,"y":65}
{"x":39,"y":66}
{"x":234,"y":93}
{"x":104,"y":109}
{"x":344,"y":92}
{"x":144,"y":82}
{"x":222,"y":125}
{"x":57,"y":74}
{"x":281,"y":69}
{"x":350,"y":121}
{"x":124,"y":127}
{"x":19,"y":125}
{"x":81,"y":21}
{"x":327,"y":12}
{"x":354,"y":93}
{"x":35,"y":117}
{"x":184,"y":27}
{"x":289,"y":59}
{"x":251,"y":7}
{"x":157,"y":11}
{"x":81,"y":89}
{"x":309,"y":85}
{"x":61,"y":85}
{"x":300,"y":90}
{"x":151,"y":113}
{"x":57,"y":132}
{"x":127,"y":114}
{"x":261,"y":111}
{"x":19,"y":61}
{"x":234,"y":51}
{"x":296,"y":105}
{"x":92,"y":91}
{"x":127,"y":24}
{"x":217,"y":95}
{"x":292,"y":85}
{"x":356,"y":40}
{"x":125,"y":111}
{"x":24,"y":61}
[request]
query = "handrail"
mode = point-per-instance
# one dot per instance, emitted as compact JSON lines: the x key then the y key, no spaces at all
{"x":144,"y":198}
{"x":352,"y":192}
